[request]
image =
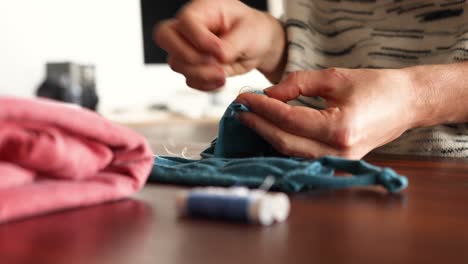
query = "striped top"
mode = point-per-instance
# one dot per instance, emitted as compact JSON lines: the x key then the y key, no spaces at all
{"x":382,"y":34}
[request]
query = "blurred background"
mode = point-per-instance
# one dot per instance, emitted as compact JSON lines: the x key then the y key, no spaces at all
{"x":112,"y":42}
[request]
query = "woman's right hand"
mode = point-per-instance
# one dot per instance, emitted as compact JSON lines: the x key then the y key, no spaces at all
{"x":210,"y":40}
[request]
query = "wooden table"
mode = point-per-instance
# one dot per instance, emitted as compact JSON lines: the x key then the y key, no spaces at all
{"x":428,"y":223}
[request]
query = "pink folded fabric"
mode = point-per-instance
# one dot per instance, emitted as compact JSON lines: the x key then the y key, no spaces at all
{"x":56,"y":156}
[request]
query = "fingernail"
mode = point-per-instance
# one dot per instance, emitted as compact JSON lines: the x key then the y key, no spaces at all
{"x":220,"y":82}
{"x":225,"y":70}
{"x":207,"y":59}
{"x":242,"y":102}
{"x":218,"y":50}
{"x":222,"y":72}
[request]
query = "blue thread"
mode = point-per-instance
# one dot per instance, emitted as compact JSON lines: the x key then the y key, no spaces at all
{"x":217,"y":206}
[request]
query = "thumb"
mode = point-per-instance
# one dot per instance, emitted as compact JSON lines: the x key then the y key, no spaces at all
{"x":234,"y":45}
{"x":322,"y":83}
{"x":236,"y":55}
{"x":202,"y":21}
{"x":193,"y":29}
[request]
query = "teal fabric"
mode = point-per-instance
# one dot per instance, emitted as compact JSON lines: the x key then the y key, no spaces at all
{"x":236,"y":140}
{"x":291,"y":175}
{"x":239,"y":156}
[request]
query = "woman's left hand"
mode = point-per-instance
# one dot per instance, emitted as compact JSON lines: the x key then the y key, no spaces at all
{"x":366,"y":108}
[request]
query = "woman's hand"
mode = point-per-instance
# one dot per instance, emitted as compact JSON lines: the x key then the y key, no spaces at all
{"x":212,"y":39}
{"x":366,"y":109}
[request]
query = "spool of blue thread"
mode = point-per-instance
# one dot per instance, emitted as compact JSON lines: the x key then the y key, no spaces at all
{"x":219,"y":206}
{"x":236,"y":204}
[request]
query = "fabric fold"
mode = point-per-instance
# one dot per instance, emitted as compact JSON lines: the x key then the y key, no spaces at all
{"x":290,"y":175}
{"x":57,"y":156}
{"x":239,"y":156}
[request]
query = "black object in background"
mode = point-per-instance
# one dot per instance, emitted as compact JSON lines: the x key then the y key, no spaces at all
{"x":154,"y":11}
{"x":71,"y":83}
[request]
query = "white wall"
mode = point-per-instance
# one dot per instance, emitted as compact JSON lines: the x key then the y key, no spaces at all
{"x":102,"y":32}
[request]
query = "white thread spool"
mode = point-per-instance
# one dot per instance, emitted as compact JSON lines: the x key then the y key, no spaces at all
{"x":281,"y":206}
{"x":261,"y":211}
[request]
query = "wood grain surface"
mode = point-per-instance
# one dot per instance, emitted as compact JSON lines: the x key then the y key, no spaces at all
{"x":427,"y":223}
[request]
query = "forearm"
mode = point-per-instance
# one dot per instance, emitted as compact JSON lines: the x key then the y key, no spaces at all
{"x":274,"y":62}
{"x":441,"y":93}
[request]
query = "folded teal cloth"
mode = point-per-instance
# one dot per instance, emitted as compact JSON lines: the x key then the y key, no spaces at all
{"x":291,"y":175}
{"x":241,"y":157}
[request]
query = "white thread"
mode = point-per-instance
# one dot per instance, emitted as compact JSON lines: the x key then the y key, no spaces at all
{"x":267,"y":183}
{"x":183,"y":153}
{"x":168,"y":151}
{"x":248,"y":89}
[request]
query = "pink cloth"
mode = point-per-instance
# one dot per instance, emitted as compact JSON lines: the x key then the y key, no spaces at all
{"x":55,"y":156}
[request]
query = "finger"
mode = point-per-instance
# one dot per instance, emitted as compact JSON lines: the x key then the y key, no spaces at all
{"x":302,"y":121}
{"x":204,"y":77}
{"x":203,"y":86}
{"x":195,"y":29}
{"x":284,"y":142}
{"x":235,"y":46}
{"x":239,"y":67}
{"x":324,"y":83}
{"x":169,"y":39}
